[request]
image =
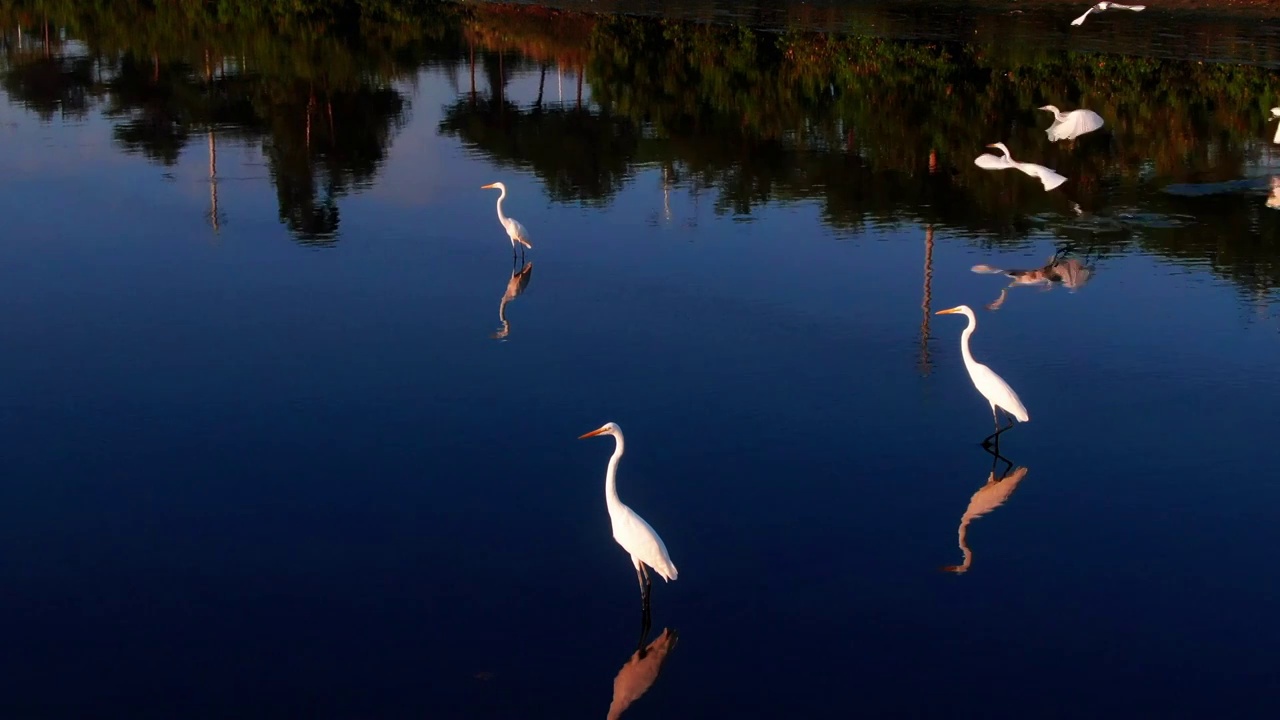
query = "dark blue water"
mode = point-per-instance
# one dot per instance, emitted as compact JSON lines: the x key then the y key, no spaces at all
{"x":246,"y":476}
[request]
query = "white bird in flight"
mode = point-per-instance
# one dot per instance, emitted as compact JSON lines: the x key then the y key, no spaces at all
{"x":992,"y":386}
{"x":1047,"y":177}
{"x":514,"y":229}
{"x":1071,"y":125}
{"x":1107,"y":6}
{"x":631,"y":531}
{"x":1275,"y":113}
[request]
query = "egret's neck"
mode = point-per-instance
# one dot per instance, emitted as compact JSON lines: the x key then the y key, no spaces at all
{"x":611,"y":477}
{"x":501,"y":197}
{"x":1059,"y":115}
{"x":964,"y":340}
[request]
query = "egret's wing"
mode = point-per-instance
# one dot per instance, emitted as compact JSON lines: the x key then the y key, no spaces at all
{"x":1277,"y":137}
{"x":1049,"y":178}
{"x":986,"y":270}
{"x":1059,"y":131}
{"x":516,"y":230}
{"x":1080,"y":20}
{"x":638,"y":538}
{"x":995,"y":389}
{"x":1087,"y":121}
{"x":987,"y":161}
{"x":1135,"y":8}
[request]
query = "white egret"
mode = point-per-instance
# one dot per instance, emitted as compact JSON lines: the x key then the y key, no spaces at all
{"x":631,"y":531}
{"x":514,"y":229}
{"x":992,"y":386}
{"x":1107,"y":6}
{"x":1071,"y":125}
{"x":1047,"y":177}
{"x":1275,"y":113}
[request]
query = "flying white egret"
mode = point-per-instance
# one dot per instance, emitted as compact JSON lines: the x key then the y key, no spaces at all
{"x":514,"y":229}
{"x":1071,"y":125}
{"x":631,"y":531}
{"x":992,"y":386}
{"x":1107,"y":6}
{"x":1275,"y":113}
{"x":1047,"y":177}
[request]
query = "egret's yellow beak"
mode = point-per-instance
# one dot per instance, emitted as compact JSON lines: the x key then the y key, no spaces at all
{"x":486,"y":187}
{"x":948,"y":311}
{"x":593,"y":433}
{"x":991,"y":145}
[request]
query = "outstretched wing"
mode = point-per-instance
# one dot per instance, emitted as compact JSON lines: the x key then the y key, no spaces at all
{"x":1080,"y":20}
{"x":1047,"y":177}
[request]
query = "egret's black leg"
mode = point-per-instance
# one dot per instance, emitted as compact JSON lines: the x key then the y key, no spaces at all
{"x":646,"y":587}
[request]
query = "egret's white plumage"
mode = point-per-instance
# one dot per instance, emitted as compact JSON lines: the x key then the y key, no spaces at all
{"x":1047,"y":177}
{"x":629,"y":529}
{"x":1107,"y":6}
{"x":1071,"y":125}
{"x":992,"y":386}
{"x":1275,"y":113}
{"x":514,"y":229}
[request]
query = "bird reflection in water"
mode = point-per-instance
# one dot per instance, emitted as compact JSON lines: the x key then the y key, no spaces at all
{"x":1273,"y":200}
{"x":517,"y":284}
{"x":641,"y":672}
{"x":1069,"y":272}
{"x":988,"y":497}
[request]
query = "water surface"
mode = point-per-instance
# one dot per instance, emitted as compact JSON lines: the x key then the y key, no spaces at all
{"x":264,"y":455}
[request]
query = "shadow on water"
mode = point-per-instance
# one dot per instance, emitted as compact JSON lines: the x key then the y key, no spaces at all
{"x":830,"y":106}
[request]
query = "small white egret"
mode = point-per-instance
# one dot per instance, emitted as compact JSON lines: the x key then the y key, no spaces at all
{"x":992,"y":386}
{"x":1047,"y":177}
{"x":1107,"y":6}
{"x":1275,"y":113}
{"x":631,"y":531}
{"x":1071,"y":125}
{"x":514,"y":229}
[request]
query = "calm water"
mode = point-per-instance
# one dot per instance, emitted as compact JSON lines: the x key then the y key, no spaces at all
{"x":264,"y":457}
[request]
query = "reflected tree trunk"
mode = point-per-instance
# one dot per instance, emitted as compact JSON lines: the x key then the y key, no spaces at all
{"x":925,"y":364}
{"x":213,"y":180}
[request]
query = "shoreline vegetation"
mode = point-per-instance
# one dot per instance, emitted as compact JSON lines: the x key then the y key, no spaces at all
{"x":869,"y":129}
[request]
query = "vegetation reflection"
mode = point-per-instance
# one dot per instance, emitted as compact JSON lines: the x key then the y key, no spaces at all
{"x":870,"y":130}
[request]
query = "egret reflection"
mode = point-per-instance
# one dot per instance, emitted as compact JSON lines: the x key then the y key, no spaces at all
{"x":641,"y":672}
{"x":994,"y":493}
{"x":515,"y":286}
{"x":1069,"y":272}
{"x":1273,"y":200}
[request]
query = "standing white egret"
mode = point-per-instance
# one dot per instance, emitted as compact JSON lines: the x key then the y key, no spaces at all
{"x":1107,"y":6}
{"x":514,"y":229}
{"x":1071,"y":125}
{"x":1047,"y":177}
{"x":992,"y":386}
{"x":1275,"y":113}
{"x":631,"y":531}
